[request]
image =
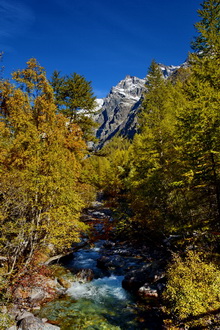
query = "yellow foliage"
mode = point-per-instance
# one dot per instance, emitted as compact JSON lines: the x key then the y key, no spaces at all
{"x":40,"y":166}
{"x":193,"y":286}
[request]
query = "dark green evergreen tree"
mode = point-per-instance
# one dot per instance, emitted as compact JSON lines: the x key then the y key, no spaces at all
{"x":208,"y":39}
{"x":75,"y":99}
{"x":57,"y":83}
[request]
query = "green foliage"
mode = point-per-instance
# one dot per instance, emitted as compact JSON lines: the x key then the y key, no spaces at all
{"x":198,"y":148}
{"x":95,"y":170}
{"x":173,"y":182}
{"x":75,"y":99}
{"x":109,"y":168}
{"x":192,"y":287}
{"x":208,"y":39}
{"x":153,"y":152}
{"x":72,"y":93}
{"x":154,"y":77}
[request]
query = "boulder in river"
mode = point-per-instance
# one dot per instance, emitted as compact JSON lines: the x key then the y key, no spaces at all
{"x":146,"y":291}
{"x":84,"y":275}
{"x":113,"y":262}
{"x":34,"y":323}
{"x":25,"y":320}
{"x":135,"y":279}
{"x":64,"y":283}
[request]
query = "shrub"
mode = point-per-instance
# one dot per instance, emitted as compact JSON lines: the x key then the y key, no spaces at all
{"x":192,"y":287}
{"x":5,"y":321}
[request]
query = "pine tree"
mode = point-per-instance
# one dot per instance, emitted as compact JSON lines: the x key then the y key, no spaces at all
{"x":198,"y":120}
{"x":206,"y":59}
{"x":75,"y":99}
{"x":208,"y":40}
{"x":154,"y":76}
{"x":57,"y":83}
{"x":152,"y":153}
{"x":197,"y":133}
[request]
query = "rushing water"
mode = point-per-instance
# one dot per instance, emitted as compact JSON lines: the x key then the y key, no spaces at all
{"x":99,"y":304}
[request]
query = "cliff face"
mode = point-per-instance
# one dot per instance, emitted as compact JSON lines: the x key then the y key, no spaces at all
{"x":119,"y":108}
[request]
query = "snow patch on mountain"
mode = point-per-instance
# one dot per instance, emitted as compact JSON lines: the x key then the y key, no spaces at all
{"x":168,"y":70}
{"x":120,"y":106}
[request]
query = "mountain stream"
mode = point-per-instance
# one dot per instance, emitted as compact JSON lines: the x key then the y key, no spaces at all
{"x":101,"y":302}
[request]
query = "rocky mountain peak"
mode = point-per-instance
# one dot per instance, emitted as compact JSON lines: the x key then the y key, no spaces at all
{"x":168,"y":70}
{"x":130,"y":87}
{"x":119,"y":108}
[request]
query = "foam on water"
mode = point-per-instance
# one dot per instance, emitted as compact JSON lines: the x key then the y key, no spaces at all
{"x":99,"y":290}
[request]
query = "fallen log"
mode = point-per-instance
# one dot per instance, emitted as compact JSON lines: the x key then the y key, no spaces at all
{"x":55,"y":258}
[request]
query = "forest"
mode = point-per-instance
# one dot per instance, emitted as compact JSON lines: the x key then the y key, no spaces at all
{"x":163,"y":184}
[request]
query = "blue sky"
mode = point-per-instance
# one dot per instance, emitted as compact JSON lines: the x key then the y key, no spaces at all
{"x":102,"y":40}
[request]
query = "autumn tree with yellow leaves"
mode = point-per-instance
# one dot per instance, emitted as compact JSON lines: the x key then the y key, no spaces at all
{"x":40,"y":157}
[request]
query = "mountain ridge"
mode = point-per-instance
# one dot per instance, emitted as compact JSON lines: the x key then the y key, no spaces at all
{"x":119,"y":108}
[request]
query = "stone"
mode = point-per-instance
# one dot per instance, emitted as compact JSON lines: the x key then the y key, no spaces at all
{"x":27,"y":321}
{"x":4,"y":309}
{"x":96,"y":204}
{"x":161,"y":287}
{"x":30,"y":323}
{"x":99,"y":215}
{"x":147,"y":292}
{"x":21,"y":293}
{"x":15,"y":311}
{"x":43,"y":289}
{"x":118,"y":107}
{"x":108,"y":244}
{"x":37,"y":294}
{"x":102,"y":261}
{"x":110,"y":262}
{"x":135,"y":279}
{"x":118,"y":112}
{"x":64,"y":283}
{"x":23,"y":315}
{"x":123,"y":252}
{"x":48,"y":326}
{"x":53,"y":260}
{"x":85,"y":275}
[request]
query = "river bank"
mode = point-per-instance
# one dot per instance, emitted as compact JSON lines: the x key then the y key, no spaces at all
{"x":106,"y":283}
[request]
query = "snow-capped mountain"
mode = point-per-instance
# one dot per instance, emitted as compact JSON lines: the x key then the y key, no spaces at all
{"x":168,"y":70}
{"x":119,"y":108}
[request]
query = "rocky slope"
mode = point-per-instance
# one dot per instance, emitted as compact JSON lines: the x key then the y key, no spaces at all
{"x":119,"y":108}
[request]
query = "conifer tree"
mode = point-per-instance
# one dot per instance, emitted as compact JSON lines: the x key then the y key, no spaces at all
{"x":57,"y":83}
{"x":75,"y":99}
{"x":208,"y":40}
{"x":197,"y":141}
{"x":39,"y":165}
{"x":153,"y":152}
{"x":198,"y":120}
{"x":206,"y":59}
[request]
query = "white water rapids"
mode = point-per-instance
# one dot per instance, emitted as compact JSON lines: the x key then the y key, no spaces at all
{"x":100,"y":290}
